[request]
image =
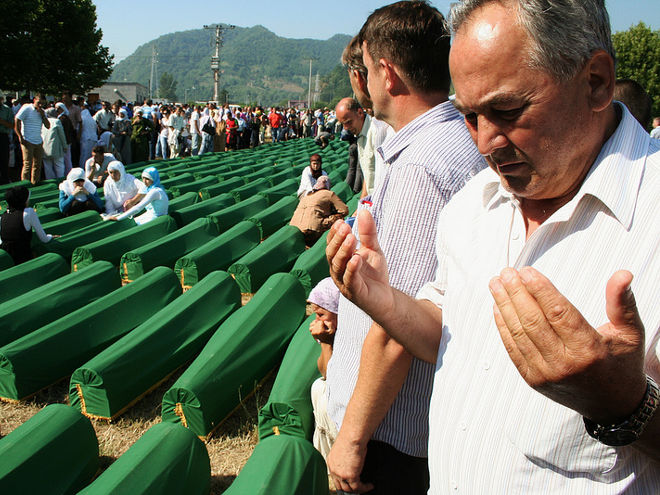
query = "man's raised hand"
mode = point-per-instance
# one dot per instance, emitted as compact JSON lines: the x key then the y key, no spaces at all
{"x":361,"y":274}
{"x":598,"y":372}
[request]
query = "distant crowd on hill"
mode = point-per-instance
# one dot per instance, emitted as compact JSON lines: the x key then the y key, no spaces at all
{"x":55,"y":136}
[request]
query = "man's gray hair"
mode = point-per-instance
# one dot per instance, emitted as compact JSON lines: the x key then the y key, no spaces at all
{"x":564,"y":33}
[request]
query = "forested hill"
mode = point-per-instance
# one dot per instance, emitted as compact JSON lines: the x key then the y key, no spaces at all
{"x":258,"y":65}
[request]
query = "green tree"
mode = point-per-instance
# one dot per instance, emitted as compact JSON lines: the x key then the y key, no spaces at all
{"x":638,"y":58}
{"x":167,"y":87}
{"x":52,"y":45}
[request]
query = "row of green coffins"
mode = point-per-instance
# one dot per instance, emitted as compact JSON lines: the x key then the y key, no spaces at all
{"x":63,"y":449}
{"x":88,"y":298}
{"x":57,"y":452}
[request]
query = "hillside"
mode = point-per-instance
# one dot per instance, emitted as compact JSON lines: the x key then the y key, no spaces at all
{"x":258,"y":65}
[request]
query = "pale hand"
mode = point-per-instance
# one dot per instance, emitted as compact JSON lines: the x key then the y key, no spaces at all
{"x":360,"y":275}
{"x":598,"y":372}
{"x":345,"y":462}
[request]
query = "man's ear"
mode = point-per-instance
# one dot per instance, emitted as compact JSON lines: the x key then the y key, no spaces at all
{"x":599,"y":72}
{"x":361,"y":81}
{"x":394,"y":83}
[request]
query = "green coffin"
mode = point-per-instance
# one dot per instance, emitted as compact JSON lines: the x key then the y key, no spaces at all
{"x":281,"y":190}
{"x":250,"y":189}
{"x":282,"y":465}
{"x":117,"y":377}
{"x":22,"y":278}
{"x":53,"y":452}
{"x":275,"y":216}
{"x":186,"y":215}
{"x":168,"y":459}
{"x":166,"y":250}
{"x":342,"y":190}
{"x":111,"y":248}
{"x":67,"y":244}
{"x":194,"y":186}
{"x":278,"y":253}
{"x":353,"y":203}
{"x":217,"y":254}
{"x":6,"y":261}
{"x":48,"y":215}
{"x":230,"y":216}
{"x":239,"y":355}
{"x":72,"y":223}
{"x":176,"y":180}
{"x":289,"y":407}
{"x":312,"y":265}
{"x":42,"y":357}
{"x":226,"y":186}
{"x":183,"y":201}
{"x":28,"y":312}
{"x":261,"y":172}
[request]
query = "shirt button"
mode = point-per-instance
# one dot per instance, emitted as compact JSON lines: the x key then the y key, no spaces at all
{"x":515,"y":236}
{"x":486,"y":365}
{"x":454,"y":485}
{"x":462,"y":426}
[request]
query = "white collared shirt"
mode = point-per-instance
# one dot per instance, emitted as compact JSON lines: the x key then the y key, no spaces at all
{"x":489,"y":431}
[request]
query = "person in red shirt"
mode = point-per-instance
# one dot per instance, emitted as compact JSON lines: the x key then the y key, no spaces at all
{"x":275,"y":120}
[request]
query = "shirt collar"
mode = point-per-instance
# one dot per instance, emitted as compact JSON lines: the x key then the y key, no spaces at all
{"x":394,"y":145}
{"x":614,"y":178}
{"x":365,"y":126}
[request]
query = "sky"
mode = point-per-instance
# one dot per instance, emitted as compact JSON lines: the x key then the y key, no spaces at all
{"x":127,"y":24}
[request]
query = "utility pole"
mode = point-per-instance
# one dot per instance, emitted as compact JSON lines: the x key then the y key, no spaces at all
{"x":309,"y":90}
{"x":154,"y":61}
{"x":215,"y":59}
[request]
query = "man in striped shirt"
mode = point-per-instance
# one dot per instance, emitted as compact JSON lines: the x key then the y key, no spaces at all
{"x":551,"y":389}
{"x":378,"y":395}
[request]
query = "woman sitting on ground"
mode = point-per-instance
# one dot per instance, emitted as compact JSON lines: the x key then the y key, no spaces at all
{"x":17,"y":223}
{"x":121,"y":190}
{"x":318,"y":210}
{"x":155,"y":200}
{"x":310,"y":175}
{"x":78,"y":194}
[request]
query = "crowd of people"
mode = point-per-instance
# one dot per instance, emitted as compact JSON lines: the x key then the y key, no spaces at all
{"x":46,"y":139}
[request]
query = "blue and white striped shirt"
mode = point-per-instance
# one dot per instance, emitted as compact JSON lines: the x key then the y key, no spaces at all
{"x":428,"y":160}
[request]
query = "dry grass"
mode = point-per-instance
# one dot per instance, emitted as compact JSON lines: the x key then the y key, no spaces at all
{"x":229,"y":448}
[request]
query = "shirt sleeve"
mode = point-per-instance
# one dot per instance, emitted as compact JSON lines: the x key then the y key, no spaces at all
{"x":152,"y":195}
{"x":31,"y":221}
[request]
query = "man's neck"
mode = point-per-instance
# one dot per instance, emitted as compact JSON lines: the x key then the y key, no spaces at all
{"x":407,"y":107}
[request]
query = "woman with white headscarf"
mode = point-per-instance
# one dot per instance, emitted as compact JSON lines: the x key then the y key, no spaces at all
{"x":69,"y":132}
{"x":121,"y":190}
{"x":155,"y":200}
{"x":54,"y":144}
{"x":88,"y":136}
{"x":122,"y":130}
{"x":78,"y":194}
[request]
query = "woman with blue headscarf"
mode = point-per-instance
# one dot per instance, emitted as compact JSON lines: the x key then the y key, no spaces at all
{"x":155,"y":200}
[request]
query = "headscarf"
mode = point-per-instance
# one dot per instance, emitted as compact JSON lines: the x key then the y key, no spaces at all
{"x":51,"y":113}
{"x":62,"y":107}
{"x":69,"y":185}
{"x":17,"y":197}
{"x":325,"y":295}
{"x":122,"y":189}
{"x":322,"y":182}
{"x":122,"y":114}
{"x":152,"y":174}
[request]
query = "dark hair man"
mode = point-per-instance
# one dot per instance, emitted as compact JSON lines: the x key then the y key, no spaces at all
{"x":28,"y":122}
{"x":377,"y":393}
{"x":551,"y":389}
{"x":635,"y":97}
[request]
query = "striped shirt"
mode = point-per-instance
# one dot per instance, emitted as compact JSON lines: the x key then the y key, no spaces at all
{"x":428,"y":160}
{"x":489,"y":431}
{"x":31,"y":120}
